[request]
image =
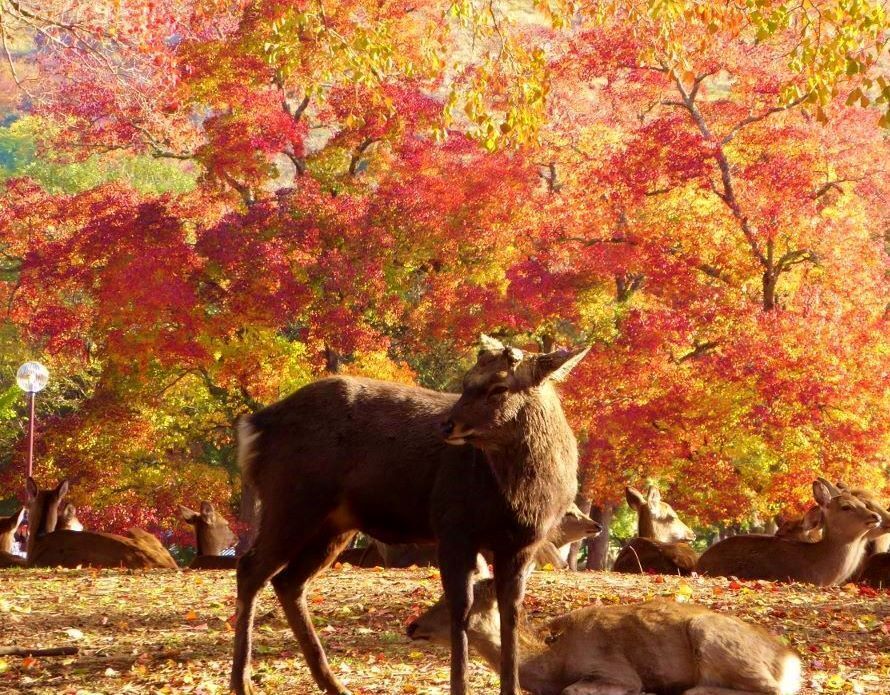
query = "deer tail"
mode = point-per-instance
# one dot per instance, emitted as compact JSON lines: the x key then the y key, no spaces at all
{"x":247,"y":448}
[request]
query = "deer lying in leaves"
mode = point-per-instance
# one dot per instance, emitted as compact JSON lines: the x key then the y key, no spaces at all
{"x":658,"y":646}
{"x":847,"y":522}
{"x":659,"y":546}
{"x":49,"y":547}
{"x":574,"y":526}
{"x":495,"y":468}
{"x":212,"y":537}
{"x":8,"y":527}
{"x":870,"y":569}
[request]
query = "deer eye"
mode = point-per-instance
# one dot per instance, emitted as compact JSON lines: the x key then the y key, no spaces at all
{"x":846,"y":507}
{"x":497,"y":391}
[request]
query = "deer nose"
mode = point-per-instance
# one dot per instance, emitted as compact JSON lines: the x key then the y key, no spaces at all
{"x":597,"y":527}
{"x":447,"y":428}
{"x":411,"y":629}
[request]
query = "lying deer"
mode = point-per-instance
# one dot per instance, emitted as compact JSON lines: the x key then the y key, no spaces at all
{"x":573,"y":526}
{"x":495,"y":468}
{"x":658,"y":646}
{"x":847,"y":521}
{"x":48,"y":547}
{"x":8,"y":527}
{"x":809,"y":529}
{"x":212,"y":536}
{"x":660,"y":545}
{"x":68,"y":520}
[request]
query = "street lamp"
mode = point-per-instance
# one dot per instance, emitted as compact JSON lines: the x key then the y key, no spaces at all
{"x":31,"y":378}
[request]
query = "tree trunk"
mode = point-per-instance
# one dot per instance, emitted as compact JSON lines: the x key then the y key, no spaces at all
{"x":575,"y":548}
{"x":598,"y":548}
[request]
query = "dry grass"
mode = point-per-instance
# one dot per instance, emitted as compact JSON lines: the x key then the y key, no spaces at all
{"x":169,"y":632}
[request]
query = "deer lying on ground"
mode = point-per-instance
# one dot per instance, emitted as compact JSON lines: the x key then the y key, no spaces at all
{"x":573,"y":526}
{"x":660,"y":545}
{"x":847,"y":521}
{"x":809,"y":529}
{"x":212,"y":537}
{"x":658,"y":646}
{"x":495,"y":468}
{"x":8,"y":527}
{"x":68,"y":520}
{"x":48,"y":547}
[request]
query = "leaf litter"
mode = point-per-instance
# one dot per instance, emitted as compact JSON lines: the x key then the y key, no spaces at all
{"x":164,"y":631}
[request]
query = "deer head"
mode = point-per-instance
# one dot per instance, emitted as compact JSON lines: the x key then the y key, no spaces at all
{"x":212,"y":532}
{"x":657,"y":519}
{"x":504,"y":390}
{"x":43,"y":507}
{"x":68,"y":520}
{"x":807,"y":528}
{"x":844,"y":514}
{"x":434,"y":624}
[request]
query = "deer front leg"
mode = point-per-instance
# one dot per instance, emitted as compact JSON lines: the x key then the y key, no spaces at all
{"x":457,"y":562}
{"x":509,"y":580}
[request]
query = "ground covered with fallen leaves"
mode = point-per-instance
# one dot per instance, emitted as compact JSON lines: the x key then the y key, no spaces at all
{"x":171,"y":632}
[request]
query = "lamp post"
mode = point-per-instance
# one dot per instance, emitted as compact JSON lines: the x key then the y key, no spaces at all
{"x":31,"y":378}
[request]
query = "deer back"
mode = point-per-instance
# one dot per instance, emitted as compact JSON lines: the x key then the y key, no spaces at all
{"x":647,"y":556}
{"x":138,"y":550}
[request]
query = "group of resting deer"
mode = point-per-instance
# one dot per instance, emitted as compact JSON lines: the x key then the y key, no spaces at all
{"x":491,"y":469}
{"x":844,"y":537}
{"x":57,"y":538}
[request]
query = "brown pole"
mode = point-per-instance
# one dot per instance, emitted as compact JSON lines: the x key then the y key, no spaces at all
{"x":31,"y":435}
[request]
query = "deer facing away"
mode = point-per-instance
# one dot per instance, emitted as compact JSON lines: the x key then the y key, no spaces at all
{"x":660,"y":545}
{"x":48,"y":547}
{"x":212,"y":536}
{"x":495,"y":468}
{"x":831,"y":560}
{"x":658,"y":646}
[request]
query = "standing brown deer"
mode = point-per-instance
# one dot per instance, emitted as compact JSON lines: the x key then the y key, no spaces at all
{"x":212,"y":537}
{"x":495,"y":468}
{"x":658,"y":646}
{"x":48,"y":547}
{"x":847,"y":523}
{"x":660,"y":545}
{"x":8,"y":527}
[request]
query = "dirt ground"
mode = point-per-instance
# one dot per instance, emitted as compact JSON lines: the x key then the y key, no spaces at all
{"x":170,"y":632}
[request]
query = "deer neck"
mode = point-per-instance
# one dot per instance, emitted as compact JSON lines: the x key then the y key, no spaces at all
{"x":835,"y":558}
{"x":645,"y":527}
{"x":539,"y":466}
{"x":539,"y":665}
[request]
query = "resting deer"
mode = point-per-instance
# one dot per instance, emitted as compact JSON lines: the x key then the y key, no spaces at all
{"x":68,"y":520}
{"x":847,"y":523}
{"x":495,"y":468}
{"x":659,"y":646}
{"x":212,"y":537}
{"x":48,"y":547}
{"x":8,"y":527}
{"x":573,"y":526}
{"x":660,"y":545}
{"x":809,"y":529}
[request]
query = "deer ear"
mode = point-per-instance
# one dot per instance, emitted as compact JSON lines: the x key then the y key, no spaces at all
{"x":187,"y":514}
{"x":489,"y":344}
{"x":555,"y":366}
{"x":31,"y":488}
{"x":812,"y":519}
{"x":634,"y":498}
{"x":62,"y":489}
{"x":653,"y":496}
{"x":822,"y":492}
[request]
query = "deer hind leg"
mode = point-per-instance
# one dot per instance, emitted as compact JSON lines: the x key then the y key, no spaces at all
{"x":509,"y":581}
{"x":254,"y":569}
{"x":612,"y":676}
{"x":715,"y":690}
{"x":290,"y":587}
